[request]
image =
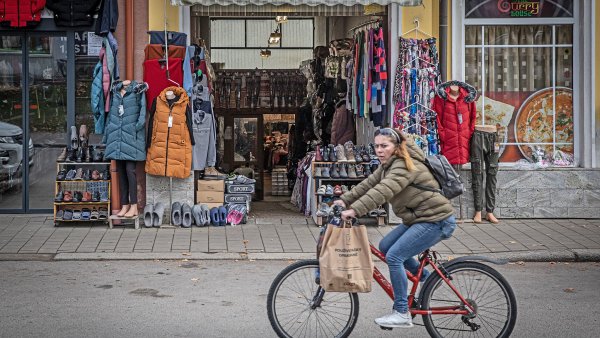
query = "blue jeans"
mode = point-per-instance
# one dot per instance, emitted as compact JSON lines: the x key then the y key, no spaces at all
{"x":402,"y":244}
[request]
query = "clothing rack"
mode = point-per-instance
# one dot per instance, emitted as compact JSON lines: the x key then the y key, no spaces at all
{"x":364,"y":24}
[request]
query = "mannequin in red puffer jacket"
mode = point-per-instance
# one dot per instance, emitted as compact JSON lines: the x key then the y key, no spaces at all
{"x":21,"y":13}
{"x":456,"y":114}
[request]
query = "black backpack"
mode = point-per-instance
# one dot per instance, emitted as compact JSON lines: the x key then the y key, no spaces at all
{"x":449,"y":180}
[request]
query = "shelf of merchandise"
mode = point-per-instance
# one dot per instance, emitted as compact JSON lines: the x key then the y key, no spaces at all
{"x":65,"y":183}
{"x":320,"y":221}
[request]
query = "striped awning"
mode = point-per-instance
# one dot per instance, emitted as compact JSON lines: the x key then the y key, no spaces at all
{"x":294,"y":2}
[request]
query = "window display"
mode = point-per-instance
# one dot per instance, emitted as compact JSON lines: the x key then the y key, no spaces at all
{"x":526,"y":89}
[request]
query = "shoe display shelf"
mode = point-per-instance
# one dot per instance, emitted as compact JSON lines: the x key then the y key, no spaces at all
{"x":333,"y":181}
{"x":279,"y":182}
{"x":99,"y":210}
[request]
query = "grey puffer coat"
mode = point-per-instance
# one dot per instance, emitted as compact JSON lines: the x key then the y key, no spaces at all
{"x":391,"y":183}
{"x":125,"y":132}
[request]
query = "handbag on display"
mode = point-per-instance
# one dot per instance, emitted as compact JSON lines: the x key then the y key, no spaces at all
{"x":345,"y":263}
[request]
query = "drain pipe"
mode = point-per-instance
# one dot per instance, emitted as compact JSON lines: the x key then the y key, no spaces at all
{"x":443,"y":41}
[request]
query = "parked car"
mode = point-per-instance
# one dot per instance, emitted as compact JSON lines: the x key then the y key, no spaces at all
{"x":11,"y":151}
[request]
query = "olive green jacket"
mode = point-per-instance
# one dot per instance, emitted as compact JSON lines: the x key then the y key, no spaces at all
{"x":391,"y":183}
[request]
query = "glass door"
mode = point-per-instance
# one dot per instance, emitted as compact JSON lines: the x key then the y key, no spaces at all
{"x":246,"y":131}
{"x":47,"y":116}
{"x":12,"y":149}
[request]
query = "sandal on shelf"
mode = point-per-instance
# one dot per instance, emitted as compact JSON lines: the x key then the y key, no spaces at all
{"x":321,"y":190}
{"x":94,"y":215}
{"x":76,"y":214}
{"x":67,"y":215}
{"x":102,"y":213}
{"x":59,"y":214}
{"x":86,"y":214}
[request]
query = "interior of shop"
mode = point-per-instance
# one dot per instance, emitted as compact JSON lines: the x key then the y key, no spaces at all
{"x":262,"y":65}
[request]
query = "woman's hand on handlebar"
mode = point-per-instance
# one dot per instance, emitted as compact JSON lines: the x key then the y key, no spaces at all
{"x":348,"y":215}
{"x":340,"y":203}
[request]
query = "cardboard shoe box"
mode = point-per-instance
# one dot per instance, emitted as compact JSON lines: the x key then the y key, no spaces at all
{"x":210,"y":197}
{"x":211,"y":185}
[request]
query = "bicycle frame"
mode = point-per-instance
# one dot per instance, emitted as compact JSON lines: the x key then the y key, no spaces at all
{"x":443,"y":310}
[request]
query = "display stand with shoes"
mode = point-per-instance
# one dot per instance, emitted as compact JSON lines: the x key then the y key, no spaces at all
{"x":335,"y":171}
{"x":82,"y":192}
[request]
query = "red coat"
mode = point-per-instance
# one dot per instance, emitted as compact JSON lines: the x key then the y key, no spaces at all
{"x":455,"y":136}
{"x":21,"y":13}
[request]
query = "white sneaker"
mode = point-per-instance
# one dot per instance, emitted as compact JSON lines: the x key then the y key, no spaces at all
{"x":395,"y":319}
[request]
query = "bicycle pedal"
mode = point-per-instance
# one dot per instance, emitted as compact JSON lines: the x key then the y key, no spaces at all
{"x":386,"y":328}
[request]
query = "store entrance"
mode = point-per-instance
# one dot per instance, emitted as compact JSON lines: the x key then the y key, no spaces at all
{"x":257,"y":146}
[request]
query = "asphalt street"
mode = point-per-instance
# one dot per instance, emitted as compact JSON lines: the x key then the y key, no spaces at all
{"x":228,"y":299}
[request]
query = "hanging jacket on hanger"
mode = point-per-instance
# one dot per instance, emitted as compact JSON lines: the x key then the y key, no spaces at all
{"x":455,"y":120}
{"x":203,"y":124}
{"x":108,"y":16}
{"x":155,"y":74}
{"x":21,"y":13}
{"x":343,"y":127}
{"x":125,"y":132}
{"x":170,"y":135}
{"x":73,"y":13}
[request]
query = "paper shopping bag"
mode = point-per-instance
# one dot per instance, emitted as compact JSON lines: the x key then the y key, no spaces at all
{"x":345,"y":260}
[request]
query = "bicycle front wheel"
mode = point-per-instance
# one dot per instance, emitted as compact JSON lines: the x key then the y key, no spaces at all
{"x":482,"y":287}
{"x":298,"y":307}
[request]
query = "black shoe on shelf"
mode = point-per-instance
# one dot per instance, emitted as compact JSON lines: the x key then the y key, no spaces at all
{"x":61,"y":175}
{"x":80,"y":155}
{"x":96,"y":196}
{"x":87,"y":176}
{"x":59,"y":197}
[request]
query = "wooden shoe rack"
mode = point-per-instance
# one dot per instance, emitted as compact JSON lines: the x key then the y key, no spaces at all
{"x":82,"y":186}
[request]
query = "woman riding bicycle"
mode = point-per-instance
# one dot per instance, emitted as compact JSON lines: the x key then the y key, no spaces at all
{"x":427,"y":216}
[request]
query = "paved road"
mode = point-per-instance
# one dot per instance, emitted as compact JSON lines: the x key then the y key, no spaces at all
{"x":227,"y":299}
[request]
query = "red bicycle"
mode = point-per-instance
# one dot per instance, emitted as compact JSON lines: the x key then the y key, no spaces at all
{"x":461,"y":297}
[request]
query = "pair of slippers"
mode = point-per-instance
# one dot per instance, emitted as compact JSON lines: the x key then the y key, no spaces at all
{"x":235,"y":217}
{"x":181,"y":214}
{"x":201,"y":214}
{"x":218,"y":216}
{"x":153,"y":214}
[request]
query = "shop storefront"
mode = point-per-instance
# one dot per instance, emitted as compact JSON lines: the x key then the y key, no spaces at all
{"x":530,"y":61}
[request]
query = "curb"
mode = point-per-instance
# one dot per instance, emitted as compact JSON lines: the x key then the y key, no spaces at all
{"x":578,"y":255}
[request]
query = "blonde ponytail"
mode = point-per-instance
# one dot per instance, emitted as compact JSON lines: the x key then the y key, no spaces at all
{"x":401,"y":151}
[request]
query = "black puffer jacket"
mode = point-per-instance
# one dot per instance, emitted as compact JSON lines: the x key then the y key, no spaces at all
{"x":73,"y":13}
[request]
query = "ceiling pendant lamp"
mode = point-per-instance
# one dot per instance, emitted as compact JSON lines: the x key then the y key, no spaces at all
{"x":275,"y":37}
{"x":281,"y":19}
{"x":265,"y":53}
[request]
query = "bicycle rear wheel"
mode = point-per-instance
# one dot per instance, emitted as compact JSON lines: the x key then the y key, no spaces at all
{"x":298,"y":307}
{"x":481,"y":286}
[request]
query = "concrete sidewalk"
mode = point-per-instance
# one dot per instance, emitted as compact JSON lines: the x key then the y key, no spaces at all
{"x":283,"y":234}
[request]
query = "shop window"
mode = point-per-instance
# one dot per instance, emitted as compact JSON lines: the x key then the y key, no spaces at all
{"x":87,"y":49}
{"x":524,"y":74}
{"x":236,"y":43}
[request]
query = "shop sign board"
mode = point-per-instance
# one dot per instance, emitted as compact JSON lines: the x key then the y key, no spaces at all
{"x":518,"y":9}
{"x":238,"y":198}
{"x":240,"y":188}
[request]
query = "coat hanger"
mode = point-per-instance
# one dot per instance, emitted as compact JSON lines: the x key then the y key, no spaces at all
{"x":416,"y":30}
{"x":419,"y":59}
{"x":167,"y":47}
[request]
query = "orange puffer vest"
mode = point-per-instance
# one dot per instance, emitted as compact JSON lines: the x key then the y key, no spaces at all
{"x":170,"y":151}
